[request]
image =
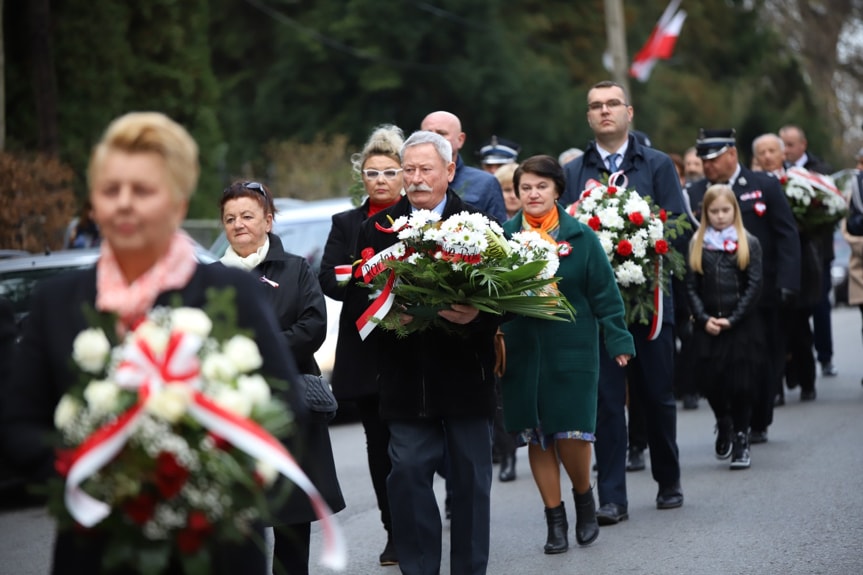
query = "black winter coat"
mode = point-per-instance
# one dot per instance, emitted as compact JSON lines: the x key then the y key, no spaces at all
{"x":354,"y":374}
{"x":723,"y":290}
{"x":766,"y":215}
{"x":298,"y":301}
{"x":433,"y":373}
{"x":302,"y":317}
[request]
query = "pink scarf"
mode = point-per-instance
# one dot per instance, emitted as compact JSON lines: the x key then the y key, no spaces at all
{"x":131,"y":302}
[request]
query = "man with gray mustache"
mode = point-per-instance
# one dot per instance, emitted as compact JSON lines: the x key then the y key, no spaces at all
{"x":436,"y":391}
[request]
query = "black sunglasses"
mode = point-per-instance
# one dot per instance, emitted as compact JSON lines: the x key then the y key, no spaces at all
{"x":257,"y":187}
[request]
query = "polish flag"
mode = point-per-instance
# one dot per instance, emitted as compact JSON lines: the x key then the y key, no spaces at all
{"x":661,"y":43}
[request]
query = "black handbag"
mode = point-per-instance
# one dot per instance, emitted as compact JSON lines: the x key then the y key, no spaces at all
{"x":319,"y":396}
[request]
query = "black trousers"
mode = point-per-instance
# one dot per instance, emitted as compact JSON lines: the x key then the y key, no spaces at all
{"x":769,"y":380}
{"x":800,"y":362}
{"x":377,"y":446}
{"x":291,"y":549}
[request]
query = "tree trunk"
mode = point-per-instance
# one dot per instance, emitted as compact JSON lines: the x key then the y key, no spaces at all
{"x":44,"y":78}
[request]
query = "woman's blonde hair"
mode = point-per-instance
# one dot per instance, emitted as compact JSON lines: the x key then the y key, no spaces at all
{"x":386,"y":140}
{"x":696,"y":247}
{"x":505,"y":173}
{"x":152,"y":132}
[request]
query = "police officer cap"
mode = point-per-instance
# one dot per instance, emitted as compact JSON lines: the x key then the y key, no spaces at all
{"x":499,"y":151}
{"x":713,"y":143}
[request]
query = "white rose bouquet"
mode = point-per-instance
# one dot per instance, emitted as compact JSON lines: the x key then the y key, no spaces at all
{"x":465,"y":259}
{"x":168,"y":447}
{"x":635,"y":234}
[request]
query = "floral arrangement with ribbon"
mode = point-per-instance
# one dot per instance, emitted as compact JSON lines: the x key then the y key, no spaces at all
{"x":817,"y":204}
{"x":465,"y":259}
{"x":635,"y":235}
{"x":168,"y":444}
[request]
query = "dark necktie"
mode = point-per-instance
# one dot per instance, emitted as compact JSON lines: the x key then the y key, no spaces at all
{"x":613,"y":162}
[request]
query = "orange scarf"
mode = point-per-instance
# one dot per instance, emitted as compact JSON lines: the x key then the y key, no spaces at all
{"x":132,"y":301}
{"x":546,"y":226}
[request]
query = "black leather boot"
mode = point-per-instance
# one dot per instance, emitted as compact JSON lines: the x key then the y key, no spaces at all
{"x":586,"y":527}
{"x":557,"y":528}
{"x":507,"y":468}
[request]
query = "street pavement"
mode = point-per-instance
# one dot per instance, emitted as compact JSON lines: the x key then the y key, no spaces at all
{"x":798,"y":510}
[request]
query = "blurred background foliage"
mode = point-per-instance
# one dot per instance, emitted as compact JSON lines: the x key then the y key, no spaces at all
{"x":286,"y":90}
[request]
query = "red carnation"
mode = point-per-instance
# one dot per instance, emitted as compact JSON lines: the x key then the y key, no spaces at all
{"x":170,"y":475}
{"x":594,"y":223}
{"x":636,"y":218}
{"x":661,"y":247}
{"x":663,"y":215}
{"x":783,"y":180}
{"x":585,"y":194}
{"x":141,"y":508}
{"x":612,"y":190}
{"x":624,"y":248}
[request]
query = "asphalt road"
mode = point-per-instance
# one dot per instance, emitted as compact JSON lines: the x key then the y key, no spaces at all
{"x":797,"y":510}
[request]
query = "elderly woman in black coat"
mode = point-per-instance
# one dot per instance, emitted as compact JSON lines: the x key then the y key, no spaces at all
{"x":288,"y":283}
{"x":354,"y":375}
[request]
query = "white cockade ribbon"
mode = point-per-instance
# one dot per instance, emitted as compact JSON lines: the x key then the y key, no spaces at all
{"x":143,"y":369}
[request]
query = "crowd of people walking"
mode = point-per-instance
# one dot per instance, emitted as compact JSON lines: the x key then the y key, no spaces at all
{"x":435,"y":402}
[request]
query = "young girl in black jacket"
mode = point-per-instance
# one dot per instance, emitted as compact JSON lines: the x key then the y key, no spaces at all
{"x":723,"y":283}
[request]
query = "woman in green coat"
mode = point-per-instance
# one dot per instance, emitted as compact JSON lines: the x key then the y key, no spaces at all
{"x":552,"y":373}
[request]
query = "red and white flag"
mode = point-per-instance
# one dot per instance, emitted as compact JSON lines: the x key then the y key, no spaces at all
{"x":661,"y":43}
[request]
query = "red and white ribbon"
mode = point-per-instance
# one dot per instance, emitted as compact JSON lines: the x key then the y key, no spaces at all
{"x":343,"y":272}
{"x":383,"y":302}
{"x":656,"y":322}
{"x":823,"y":183}
{"x":147,"y":371}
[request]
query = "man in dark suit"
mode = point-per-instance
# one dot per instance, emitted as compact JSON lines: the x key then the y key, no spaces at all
{"x":767,"y":215}
{"x":797,"y":154}
{"x":436,"y":392}
{"x":650,"y":374}
{"x":473,"y":185}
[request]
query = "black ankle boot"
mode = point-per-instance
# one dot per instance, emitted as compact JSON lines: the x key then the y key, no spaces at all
{"x":507,"y":468}
{"x":586,"y":527}
{"x":557,"y":528}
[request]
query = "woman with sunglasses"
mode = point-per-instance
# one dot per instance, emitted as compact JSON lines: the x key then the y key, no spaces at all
{"x":354,"y":377}
{"x":287,"y":282}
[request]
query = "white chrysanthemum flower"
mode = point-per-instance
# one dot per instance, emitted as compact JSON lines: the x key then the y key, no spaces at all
{"x":639,"y":246}
{"x":400,"y":222}
{"x":610,"y":218}
{"x":655,"y":229}
{"x":422,"y":218}
{"x":91,"y":349}
{"x":636,"y":203}
{"x":244,"y":353}
{"x":629,"y":273}
{"x":191,"y":320}
{"x":66,"y":411}
{"x":101,"y":396}
{"x":606,"y":239}
{"x":414,"y":258}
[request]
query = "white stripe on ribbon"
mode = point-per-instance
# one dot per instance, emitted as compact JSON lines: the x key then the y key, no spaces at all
{"x":379,"y":309}
{"x":656,"y":323}
{"x":343,"y":272}
{"x":820,"y":181}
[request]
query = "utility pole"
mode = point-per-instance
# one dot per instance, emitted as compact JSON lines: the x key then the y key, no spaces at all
{"x":615,"y":30}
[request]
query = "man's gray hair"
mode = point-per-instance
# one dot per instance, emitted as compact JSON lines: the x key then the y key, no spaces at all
{"x":441,"y":144}
{"x":764,"y":138}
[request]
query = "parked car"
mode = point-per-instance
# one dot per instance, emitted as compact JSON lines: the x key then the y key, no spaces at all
{"x":304,"y":228}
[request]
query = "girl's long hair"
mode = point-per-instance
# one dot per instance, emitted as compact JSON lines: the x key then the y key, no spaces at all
{"x":697,"y":245}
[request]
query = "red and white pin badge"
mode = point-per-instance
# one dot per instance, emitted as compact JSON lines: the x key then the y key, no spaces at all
{"x":760,"y":208}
